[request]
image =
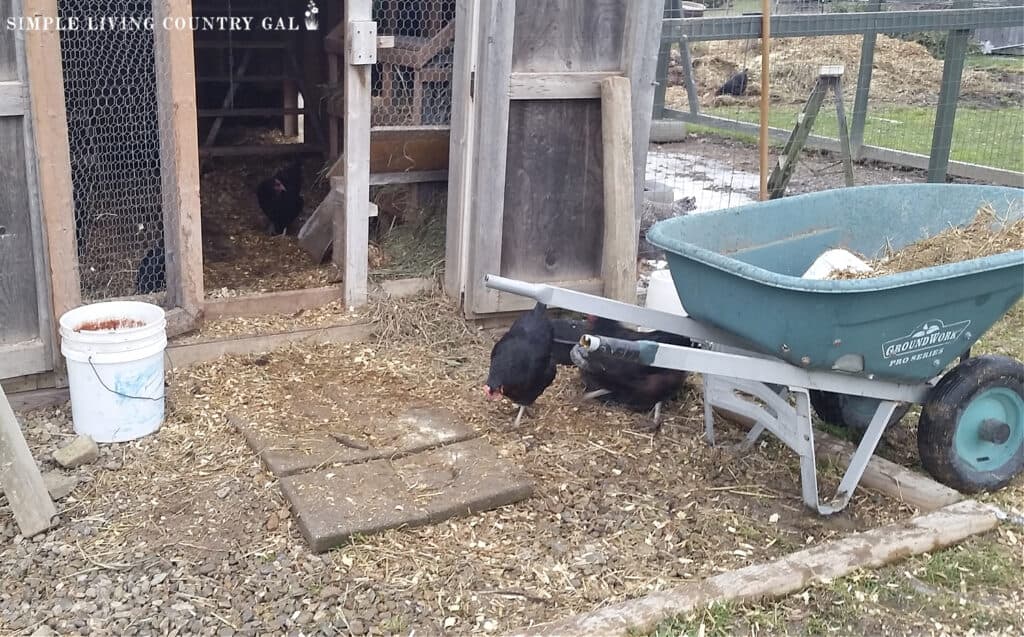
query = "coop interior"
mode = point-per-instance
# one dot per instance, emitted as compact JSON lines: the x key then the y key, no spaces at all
{"x":268,"y":102}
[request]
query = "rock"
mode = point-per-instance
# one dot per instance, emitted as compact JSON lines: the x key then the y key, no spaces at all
{"x":60,"y":485}
{"x":223,"y":492}
{"x":44,"y":631}
{"x":356,"y":627}
{"x":82,"y":450}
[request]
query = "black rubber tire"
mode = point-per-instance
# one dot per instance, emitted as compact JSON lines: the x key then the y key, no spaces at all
{"x":830,"y":407}
{"x":940,"y":418}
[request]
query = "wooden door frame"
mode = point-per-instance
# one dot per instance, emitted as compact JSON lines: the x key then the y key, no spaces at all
{"x":480,"y":124}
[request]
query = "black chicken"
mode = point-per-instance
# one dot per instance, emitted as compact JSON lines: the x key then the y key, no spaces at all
{"x":735,"y":85}
{"x":566,"y":334}
{"x":634,"y":385}
{"x":152,"y":274}
{"x":280,"y":196}
{"x":522,"y":366}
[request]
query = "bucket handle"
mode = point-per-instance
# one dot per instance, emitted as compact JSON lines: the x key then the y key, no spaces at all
{"x":114,"y":391}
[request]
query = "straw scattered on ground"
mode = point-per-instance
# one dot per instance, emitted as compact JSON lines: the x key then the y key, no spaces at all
{"x":986,"y":235}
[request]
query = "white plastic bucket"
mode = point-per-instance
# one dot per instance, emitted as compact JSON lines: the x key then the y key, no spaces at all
{"x":115,"y":356}
{"x":662,"y":295}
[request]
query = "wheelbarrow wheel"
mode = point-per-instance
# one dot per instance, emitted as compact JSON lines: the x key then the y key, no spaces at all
{"x":853,"y":412}
{"x":971,"y":431}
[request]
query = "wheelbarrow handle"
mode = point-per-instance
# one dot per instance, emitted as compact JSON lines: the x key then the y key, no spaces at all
{"x":642,"y":352}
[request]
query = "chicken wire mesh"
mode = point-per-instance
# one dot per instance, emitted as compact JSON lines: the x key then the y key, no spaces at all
{"x":114,"y":139}
{"x":412,"y":80}
{"x":717,"y":162}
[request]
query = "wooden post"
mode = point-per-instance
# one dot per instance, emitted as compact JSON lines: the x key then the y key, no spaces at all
{"x":860,"y":98}
{"x":20,"y":478}
{"x":351,"y":231}
{"x":53,"y":164}
{"x":179,"y":156}
{"x":766,"y":34}
{"x":949,"y":93}
{"x":618,"y":264}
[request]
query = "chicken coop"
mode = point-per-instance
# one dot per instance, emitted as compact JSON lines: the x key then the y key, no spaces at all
{"x":142,"y":129}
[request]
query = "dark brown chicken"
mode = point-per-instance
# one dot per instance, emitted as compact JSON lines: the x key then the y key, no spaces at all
{"x":522,"y":366}
{"x":633,"y":385}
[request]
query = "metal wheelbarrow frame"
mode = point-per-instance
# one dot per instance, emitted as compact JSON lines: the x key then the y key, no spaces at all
{"x":764,"y":332}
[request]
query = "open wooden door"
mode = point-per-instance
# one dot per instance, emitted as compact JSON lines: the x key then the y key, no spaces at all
{"x":526,"y":191}
{"x":26,"y":335}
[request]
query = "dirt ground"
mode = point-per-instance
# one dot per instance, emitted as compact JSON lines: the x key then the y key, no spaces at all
{"x":241,"y":257}
{"x":185,"y":533}
{"x":184,"y":530}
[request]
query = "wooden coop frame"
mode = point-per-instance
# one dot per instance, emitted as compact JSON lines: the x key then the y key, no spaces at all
{"x":47,"y":182}
{"x":523,"y":73}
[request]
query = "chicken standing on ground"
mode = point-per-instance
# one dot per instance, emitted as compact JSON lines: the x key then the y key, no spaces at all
{"x":280,"y":197}
{"x":522,"y":366}
{"x":634,"y":385}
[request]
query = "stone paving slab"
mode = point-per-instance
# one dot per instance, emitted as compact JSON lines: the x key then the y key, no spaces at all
{"x":331,"y":505}
{"x":414,"y":430}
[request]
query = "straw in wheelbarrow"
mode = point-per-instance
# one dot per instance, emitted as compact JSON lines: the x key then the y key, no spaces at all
{"x":986,"y":235}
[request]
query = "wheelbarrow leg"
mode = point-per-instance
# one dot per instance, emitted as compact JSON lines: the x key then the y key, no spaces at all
{"x":860,"y":459}
{"x":805,"y":448}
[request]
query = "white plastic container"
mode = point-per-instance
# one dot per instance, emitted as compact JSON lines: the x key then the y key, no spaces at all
{"x":115,"y":356}
{"x":662,"y":295}
{"x":837,"y":260}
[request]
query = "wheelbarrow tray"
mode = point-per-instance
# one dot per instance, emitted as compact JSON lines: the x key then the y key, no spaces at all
{"x":739,"y":270}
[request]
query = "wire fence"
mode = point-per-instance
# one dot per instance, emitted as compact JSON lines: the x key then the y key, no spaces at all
{"x":114,"y":138}
{"x":894,"y":98}
{"x":412,"y":80}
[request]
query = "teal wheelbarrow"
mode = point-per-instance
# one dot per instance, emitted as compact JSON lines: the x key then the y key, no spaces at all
{"x":773,"y":345}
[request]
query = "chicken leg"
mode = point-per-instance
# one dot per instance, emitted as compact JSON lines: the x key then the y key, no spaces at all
{"x":519,"y":416}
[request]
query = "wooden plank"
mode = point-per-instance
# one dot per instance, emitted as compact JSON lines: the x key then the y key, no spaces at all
{"x":333,"y":79}
{"x":262,"y":150}
{"x":317,"y":234}
{"x":38,"y":399}
{"x":489,"y":149}
{"x":618,"y":261}
{"x":13,"y":100}
{"x":571,"y":35}
{"x":179,"y":156}
{"x":557,"y":86}
{"x":286,"y":302}
{"x":249,"y":112}
{"x":820,"y":563}
{"x":396,"y":150}
{"x":19,"y":474}
{"x":461,"y":144}
{"x":179,"y":322}
{"x":47,"y":322}
{"x":557,"y":142}
{"x":193,"y":353}
{"x":404,"y":288}
{"x":515,"y":303}
{"x":28,"y":357}
{"x":19,"y":311}
{"x":410,"y":177}
{"x":53,"y":164}
{"x":639,"y":63}
{"x":351,"y":230}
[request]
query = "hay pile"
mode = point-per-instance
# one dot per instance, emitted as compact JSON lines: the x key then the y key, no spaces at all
{"x":986,"y":235}
{"x":904,"y":72}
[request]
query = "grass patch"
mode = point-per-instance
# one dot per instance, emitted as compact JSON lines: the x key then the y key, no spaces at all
{"x":717,"y":621}
{"x":990,"y":137}
{"x":999,"y":63}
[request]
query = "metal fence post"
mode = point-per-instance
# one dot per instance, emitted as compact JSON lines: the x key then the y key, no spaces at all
{"x":949,"y":93}
{"x":860,"y":99}
{"x":664,"y":54}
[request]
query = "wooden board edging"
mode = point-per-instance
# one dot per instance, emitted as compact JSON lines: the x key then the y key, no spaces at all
{"x":925,"y":533}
